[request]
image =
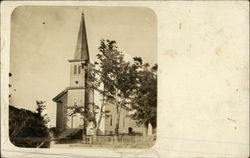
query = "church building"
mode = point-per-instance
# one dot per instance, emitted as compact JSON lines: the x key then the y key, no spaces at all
{"x":76,"y":95}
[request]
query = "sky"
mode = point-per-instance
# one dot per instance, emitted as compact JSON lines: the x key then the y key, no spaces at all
{"x":43,"y":39}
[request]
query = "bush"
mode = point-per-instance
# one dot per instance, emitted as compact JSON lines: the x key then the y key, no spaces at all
{"x":26,"y":124}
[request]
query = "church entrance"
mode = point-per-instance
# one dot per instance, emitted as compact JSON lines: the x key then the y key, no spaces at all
{"x":75,"y":121}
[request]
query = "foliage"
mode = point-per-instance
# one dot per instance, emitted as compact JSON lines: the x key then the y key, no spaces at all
{"x":144,"y":98}
{"x":132,"y":85}
{"x":55,"y":131}
{"x":108,"y":77}
{"x":27,"y":128}
{"x":115,"y":75}
{"x":25,"y":124}
{"x":40,"y":109}
{"x":114,"y":69}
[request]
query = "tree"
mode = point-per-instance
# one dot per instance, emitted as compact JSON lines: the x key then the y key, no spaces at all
{"x":144,"y":98}
{"x":27,"y":128}
{"x":132,"y":85}
{"x":40,"y":110}
{"x":24,"y":124}
{"x":95,"y":83}
{"x":114,"y":74}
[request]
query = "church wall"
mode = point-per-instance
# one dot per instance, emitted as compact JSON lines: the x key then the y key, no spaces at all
{"x":132,"y":123}
{"x":124,"y":124}
{"x":76,"y":97}
{"x":61,"y":117}
{"x":110,"y":119}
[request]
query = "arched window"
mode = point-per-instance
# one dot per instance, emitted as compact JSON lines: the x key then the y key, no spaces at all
{"x":75,"y":69}
{"x":75,"y":102}
{"x":79,"y":69}
{"x":110,"y":120}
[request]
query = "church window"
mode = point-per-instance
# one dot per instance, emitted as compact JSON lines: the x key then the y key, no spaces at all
{"x":75,"y":69}
{"x":130,"y":130}
{"x":110,"y":120}
{"x":79,"y":69}
{"x":75,"y":102}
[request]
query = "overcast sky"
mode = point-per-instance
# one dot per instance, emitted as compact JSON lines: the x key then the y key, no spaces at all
{"x":44,"y":38}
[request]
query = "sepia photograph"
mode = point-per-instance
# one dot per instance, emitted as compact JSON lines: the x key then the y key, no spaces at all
{"x":124,"y":79}
{"x":83,"y":77}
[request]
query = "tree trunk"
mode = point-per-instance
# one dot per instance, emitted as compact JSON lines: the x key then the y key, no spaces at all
{"x":117,"y":124}
{"x":96,"y":129}
{"x":94,"y":134}
{"x":101,"y":113}
{"x":84,"y":130}
{"x":154,"y":130}
{"x":118,"y":111}
{"x":118,"y":121}
{"x":145,"y":132}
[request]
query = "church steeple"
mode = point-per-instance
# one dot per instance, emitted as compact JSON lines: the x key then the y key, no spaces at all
{"x":77,"y":66}
{"x":77,"y":93}
{"x":82,"y":52}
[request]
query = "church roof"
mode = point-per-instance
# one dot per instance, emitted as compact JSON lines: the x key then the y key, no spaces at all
{"x":82,"y":52}
{"x":59,"y":96}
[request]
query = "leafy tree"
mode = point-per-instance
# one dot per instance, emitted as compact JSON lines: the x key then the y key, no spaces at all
{"x":95,"y":82}
{"x":27,"y":124}
{"x":144,"y":98}
{"x":92,"y":84}
{"x":110,"y":77}
{"x":132,"y":85}
{"x":40,"y":110}
{"x":114,"y":74}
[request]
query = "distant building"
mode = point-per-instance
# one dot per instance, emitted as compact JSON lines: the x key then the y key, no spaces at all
{"x":77,"y":96}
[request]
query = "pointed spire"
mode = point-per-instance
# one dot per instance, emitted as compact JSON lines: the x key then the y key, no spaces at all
{"x":82,"y":51}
